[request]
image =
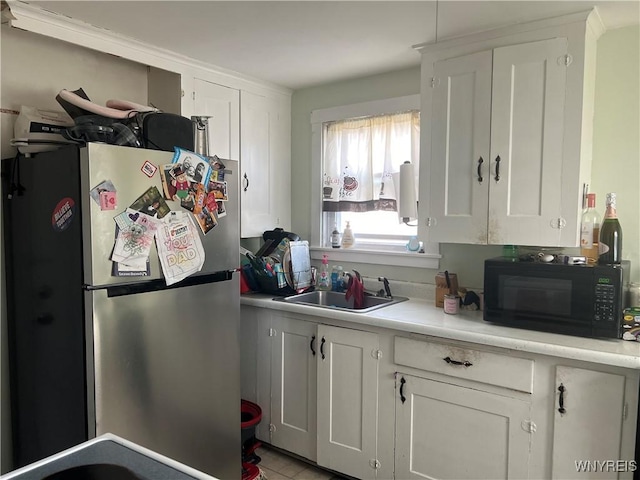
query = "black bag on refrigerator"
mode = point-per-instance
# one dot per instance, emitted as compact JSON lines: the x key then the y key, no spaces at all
{"x":163,"y":131}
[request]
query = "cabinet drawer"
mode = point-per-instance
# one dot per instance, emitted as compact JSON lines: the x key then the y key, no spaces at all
{"x":495,"y":369}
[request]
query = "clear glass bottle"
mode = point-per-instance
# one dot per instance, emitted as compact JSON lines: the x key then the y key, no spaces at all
{"x":610,"y":243}
{"x":335,"y":237}
{"x":590,"y":230}
{"x":510,"y":252}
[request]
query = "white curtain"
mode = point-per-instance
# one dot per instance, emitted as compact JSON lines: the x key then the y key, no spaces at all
{"x":360,"y":157}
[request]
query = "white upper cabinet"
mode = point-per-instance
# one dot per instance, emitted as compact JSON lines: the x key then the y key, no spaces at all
{"x":222,"y":104}
{"x":527,"y":124}
{"x":459,"y":180}
{"x":265,"y":129}
{"x":506,"y":143}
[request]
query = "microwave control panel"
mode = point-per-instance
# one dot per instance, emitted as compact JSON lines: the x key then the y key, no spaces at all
{"x":605,"y":306}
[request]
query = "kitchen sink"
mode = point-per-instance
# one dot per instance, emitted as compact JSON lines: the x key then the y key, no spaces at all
{"x":337,"y":300}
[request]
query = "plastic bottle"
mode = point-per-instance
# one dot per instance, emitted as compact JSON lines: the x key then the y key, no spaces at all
{"x":324,"y":282}
{"x":335,"y":237}
{"x":341,"y":285}
{"x":334,"y":278}
{"x":347,"y":237}
{"x":610,"y":245}
{"x":590,"y":230}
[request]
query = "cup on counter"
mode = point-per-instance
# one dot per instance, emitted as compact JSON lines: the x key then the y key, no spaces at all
{"x":451,"y":304}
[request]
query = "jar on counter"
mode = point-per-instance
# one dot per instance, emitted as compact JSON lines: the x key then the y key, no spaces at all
{"x":451,"y":304}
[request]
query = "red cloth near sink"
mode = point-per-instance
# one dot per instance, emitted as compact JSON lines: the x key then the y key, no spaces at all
{"x":355,"y":289}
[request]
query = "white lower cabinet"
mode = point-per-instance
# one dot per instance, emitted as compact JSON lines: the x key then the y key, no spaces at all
{"x":324,"y":390}
{"x":293,"y":386}
{"x":591,"y":426}
{"x":347,"y":400}
{"x":372,"y":404}
{"x":446,"y":431}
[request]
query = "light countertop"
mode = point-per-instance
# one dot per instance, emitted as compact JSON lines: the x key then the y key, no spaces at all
{"x":423,"y":317}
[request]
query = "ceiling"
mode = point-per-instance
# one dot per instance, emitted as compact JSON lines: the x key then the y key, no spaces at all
{"x":298,"y":44}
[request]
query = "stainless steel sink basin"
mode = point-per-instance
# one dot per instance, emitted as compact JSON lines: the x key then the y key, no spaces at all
{"x":336,"y":300}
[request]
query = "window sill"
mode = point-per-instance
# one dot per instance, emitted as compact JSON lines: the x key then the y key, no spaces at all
{"x":378,"y":257}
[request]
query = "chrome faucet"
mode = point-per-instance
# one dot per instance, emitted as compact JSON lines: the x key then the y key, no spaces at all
{"x":387,"y":291}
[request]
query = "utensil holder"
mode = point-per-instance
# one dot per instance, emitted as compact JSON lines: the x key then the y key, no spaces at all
{"x":442,"y":289}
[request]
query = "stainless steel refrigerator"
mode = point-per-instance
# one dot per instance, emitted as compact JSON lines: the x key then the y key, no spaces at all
{"x":91,"y":352}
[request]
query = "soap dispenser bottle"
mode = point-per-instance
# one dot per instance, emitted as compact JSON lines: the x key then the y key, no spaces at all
{"x":347,"y":237}
{"x":324,"y":283}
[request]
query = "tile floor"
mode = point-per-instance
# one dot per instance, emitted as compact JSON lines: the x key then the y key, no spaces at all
{"x":276,"y":465}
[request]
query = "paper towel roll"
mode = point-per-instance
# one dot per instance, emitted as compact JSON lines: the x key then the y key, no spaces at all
{"x":407,"y":203}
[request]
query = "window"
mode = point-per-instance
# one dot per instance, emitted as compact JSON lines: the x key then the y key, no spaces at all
{"x":357,"y":154}
{"x":361,"y":161}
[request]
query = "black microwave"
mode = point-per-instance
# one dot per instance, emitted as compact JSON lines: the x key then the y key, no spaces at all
{"x":584,"y":300}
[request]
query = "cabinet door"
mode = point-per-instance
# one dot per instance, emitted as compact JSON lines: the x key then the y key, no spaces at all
{"x":446,"y":431}
{"x":347,"y":400}
{"x":255,"y":365}
{"x":222,"y":104}
{"x":590,"y":429}
{"x":459,"y":181}
{"x":293,"y":386}
{"x":266,"y":164}
{"x":527,"y":125}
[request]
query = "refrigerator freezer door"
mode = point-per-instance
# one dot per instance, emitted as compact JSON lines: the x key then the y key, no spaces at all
{"x":167,"y":372}
{"x":127,"y":168}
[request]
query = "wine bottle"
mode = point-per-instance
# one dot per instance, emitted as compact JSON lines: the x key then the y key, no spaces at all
{"x":590,"y":230}
{"x":610,"y":244}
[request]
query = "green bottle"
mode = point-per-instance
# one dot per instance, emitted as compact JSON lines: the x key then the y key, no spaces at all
{"x":610,"y":244}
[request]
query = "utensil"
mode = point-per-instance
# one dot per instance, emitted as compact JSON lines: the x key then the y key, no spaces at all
{"x":446,"y":276}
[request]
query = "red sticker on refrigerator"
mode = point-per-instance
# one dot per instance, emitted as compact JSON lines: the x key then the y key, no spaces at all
{"x":62,"y":215}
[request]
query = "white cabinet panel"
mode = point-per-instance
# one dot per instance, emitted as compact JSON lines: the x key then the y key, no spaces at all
{"x":459,"y":181}
{"x":347,"y":400}
{"x":527,"y":124}
{"x":266,"y":163}
{"x":446,"y":431}
{"x":590,"y":429}
{"x":465,"y":363}
{"x":222,"y":104}
{"x":255,"y":367}
{"x":293,"y":386}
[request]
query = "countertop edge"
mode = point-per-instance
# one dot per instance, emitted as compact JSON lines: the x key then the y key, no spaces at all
{"x":469,"y":327}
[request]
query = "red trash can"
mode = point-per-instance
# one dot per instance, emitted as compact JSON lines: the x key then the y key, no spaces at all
{"x":251,"y":415}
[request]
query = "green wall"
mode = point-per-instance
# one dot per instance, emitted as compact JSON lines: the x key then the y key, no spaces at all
{"x":616,"y":137}
{"x":616,"y":155}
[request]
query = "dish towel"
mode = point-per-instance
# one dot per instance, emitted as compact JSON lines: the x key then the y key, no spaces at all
{"x":355,"y":289}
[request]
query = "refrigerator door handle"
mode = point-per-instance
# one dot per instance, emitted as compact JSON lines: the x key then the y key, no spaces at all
{"x":160,"y":284}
